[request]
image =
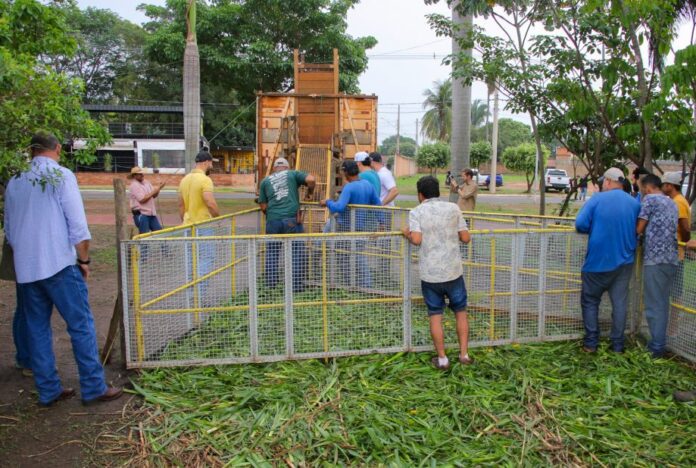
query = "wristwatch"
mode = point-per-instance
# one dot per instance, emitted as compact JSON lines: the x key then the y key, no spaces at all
{"x":84,"y":262}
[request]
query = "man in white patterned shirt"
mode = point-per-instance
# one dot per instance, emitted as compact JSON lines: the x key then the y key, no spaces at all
{"x":438,"y":227}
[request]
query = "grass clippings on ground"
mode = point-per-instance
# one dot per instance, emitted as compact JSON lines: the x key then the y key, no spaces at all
{"x":533,"y":404}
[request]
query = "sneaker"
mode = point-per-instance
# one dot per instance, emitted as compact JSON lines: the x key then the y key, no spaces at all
{"x":436,"y":364}
{"x":466,"y":361}
{"x":685,"y":397}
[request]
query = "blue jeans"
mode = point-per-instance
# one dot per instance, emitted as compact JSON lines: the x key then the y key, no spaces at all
{"x":20,"y":334}
{"x":67,"y":291}
{"x":363,"y":275}
{"x":434,"y":295}
{"x":616,"y":282}
{"x":299,"y":257}
{"x":657,"y":280}
{"x":146,"y":223}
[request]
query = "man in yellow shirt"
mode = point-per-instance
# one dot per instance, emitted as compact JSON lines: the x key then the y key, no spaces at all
{"x":671,"y":186}
{"x":196,"y":199}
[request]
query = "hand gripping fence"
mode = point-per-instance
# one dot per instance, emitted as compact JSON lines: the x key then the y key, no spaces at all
{"x":223,"y":292}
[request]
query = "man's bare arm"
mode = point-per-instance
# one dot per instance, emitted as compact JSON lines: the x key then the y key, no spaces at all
{"x":684,"y":229}
{"x":82,"y":250}
{"x":391,"y":195}
{"x":210,"y":202}
{"x":464,"y":236}
{"x":182,"y":207}
{"x":640,"y":227}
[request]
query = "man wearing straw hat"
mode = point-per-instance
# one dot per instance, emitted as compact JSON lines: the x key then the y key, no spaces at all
{"x":610,"y":219}
{"x":141,"y":196}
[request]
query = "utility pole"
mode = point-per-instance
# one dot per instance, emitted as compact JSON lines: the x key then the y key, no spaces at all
{"x":494,"y":142}
{"x":398,"y":128}
{"x":192,"y":89}
{"x":417,"y":134}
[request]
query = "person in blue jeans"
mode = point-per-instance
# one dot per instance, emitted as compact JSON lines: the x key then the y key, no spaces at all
{"x":609,"y":218}
{"x":356,"y":192}
{"x":46,"y":227}
{"x":658,"y":222}
{"x":279,"y":200}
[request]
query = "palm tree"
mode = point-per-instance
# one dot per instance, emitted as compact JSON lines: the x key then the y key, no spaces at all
{"x":192,"y":88}
{"x":479,"y":112}
{"x":437,"y":121}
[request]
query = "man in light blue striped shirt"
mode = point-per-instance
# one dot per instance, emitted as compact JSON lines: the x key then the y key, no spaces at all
{"x":46,"y":226}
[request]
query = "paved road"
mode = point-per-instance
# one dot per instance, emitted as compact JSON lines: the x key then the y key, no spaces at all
{"x":91,"y":194}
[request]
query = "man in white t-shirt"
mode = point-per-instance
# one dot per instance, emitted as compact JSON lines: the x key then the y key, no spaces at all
{"x":388,"y":192}
{"x":438,"y":227}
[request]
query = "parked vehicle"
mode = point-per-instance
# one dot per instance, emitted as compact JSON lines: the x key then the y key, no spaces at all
{"x":687,"y":181}
{"x":557,"y":179}
{"x":483,"y":180}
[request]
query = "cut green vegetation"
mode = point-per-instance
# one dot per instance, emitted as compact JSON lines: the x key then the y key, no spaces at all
{"x":546,"y":404}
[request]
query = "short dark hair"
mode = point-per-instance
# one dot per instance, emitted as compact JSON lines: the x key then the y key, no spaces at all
{"x":366,"y":162}
{"x":640,"y":171}
{"x":652,"y":179}
{"x":44,"y":141}
{"x":203,"y":156}
{"x":469,"y":172}
{"x":350,"y":168}
{"x":428,"y":186}
{"x":376,"y":157}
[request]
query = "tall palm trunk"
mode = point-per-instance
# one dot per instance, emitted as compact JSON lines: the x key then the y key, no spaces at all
{"x":461,"y":104}
{"x":192,"y":89}
{"x":494,"y":142}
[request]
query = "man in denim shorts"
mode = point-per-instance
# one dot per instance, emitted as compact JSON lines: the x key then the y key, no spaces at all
{"x":438,"y":227}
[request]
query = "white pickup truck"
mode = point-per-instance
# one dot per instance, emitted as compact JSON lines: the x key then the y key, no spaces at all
{"x":557,"y":179}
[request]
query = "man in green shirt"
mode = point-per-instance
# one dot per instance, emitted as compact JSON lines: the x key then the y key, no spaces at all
{"x":280,"y":201}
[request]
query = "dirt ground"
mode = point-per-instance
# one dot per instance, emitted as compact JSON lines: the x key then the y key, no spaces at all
{"x":66,"y":433}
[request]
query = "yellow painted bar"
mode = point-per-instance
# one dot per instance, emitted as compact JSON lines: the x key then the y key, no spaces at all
{"x":192,"y":283}
{"x":233,"y":273}
{"x":492,"y":292}
{"x":183,"y":227}
{"x":324,"y":309}
{"x":135,"y":273}
{"x":194,"y":276}
{"x":567,"y":268}
{"x":688,"y":310}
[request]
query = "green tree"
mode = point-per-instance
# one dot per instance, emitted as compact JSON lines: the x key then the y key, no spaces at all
{"x":479,"y":113}
{"x":480,"y":153}
{"x":248,"y":46}
{"x":522,"y":158}
{"x":437,"y":120}
{"x":434,"y":156}
{"x":407,"y":146}
{"x":510,"y":133}
{"x":32,"y":95}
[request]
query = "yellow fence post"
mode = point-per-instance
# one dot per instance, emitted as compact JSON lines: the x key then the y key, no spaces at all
{"x":135,"y":271}
{"x":194,"y":276}
{"x":492,"y":292}
{"x":324,"y":298}
{"x":233,"y":273}
{"x":567,"y":272}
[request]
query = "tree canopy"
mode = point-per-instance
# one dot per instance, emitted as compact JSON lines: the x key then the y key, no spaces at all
{"x":434,"y":156}
{"x":33,"y":96}
{"x":522,"y":158}
{"x":480,"y":153}
{"x":407,"y":146}
{"x":510,"y":133}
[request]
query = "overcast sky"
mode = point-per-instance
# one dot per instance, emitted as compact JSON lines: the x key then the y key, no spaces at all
{"x":401,"y":66}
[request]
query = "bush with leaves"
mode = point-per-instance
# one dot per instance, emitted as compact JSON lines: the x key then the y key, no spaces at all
{"x":479,"y":153}
{"x":522,"y":158}
{"x":434,"y":156}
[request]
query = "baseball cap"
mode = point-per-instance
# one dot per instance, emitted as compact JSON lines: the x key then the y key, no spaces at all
{"x":361,"y":156}
{"x":135,"y":170}
{"x":615,"y":174}
{"x":203,"y":156}
{"x":350,"y":167}
{"x":281,"y":162}
{"x":376,"y":157}
{"x":674,"y":178}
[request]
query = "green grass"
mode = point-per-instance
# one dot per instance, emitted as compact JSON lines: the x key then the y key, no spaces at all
{"x":546,"y":404}
{"x":407,"y":185}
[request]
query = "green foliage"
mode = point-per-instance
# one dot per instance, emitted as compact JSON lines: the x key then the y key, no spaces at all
{"x":407,"y":146}
{"x":479,"y":153}
{"x":479,"y":112}
{"x":32,"y":95}
{"x":522,"y":158}
{"x":108,"y":162}
{"x":248,"y":46}
{"x":437,"y":121}
{"x":536,"y":405}
{"x":433,"y":156}
{"x":510,"y":133}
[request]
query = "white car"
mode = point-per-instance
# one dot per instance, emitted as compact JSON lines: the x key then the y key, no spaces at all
{"x":557,"y":179}
{"x":685,"y":185}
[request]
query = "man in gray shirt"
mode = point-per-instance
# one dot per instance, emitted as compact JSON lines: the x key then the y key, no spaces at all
{"x":438,"y":227}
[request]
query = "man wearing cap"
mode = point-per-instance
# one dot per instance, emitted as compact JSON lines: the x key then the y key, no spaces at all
{"x":671,"y":186}
{"x":141,"y":196}
{"x":196,"y":199}
{"x":46,"y":227}
{"x":366,"y":171}
{"x":388,"y":191}
{"x":609,"y":217}
{"x":658,"y":222}
{"x":279,"y":199}
{"x":356,"y":192}
{"x":467,"y":191}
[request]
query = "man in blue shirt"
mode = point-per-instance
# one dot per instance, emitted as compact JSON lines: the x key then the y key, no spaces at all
{"x":355,"y":192}
{"x":609,"y":217}
{"x":366,"y":171}
{"x":46,"y":226}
